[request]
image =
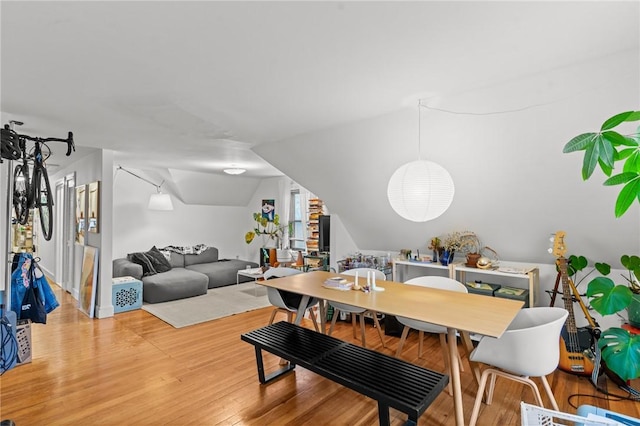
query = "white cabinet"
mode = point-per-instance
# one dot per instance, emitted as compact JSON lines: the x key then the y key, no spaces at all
{"x":523,"y":276}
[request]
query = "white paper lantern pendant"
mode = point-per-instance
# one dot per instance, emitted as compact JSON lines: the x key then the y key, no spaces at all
{"x":420,"y":190}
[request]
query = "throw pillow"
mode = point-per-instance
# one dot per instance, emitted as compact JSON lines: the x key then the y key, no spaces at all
{"x":160,"y":263}
{"x":143,"y":260}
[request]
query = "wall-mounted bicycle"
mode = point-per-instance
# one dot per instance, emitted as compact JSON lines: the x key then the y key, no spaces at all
{"x":33,"y":191}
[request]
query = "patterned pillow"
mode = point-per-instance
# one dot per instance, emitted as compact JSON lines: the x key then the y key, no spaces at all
{"x":152,"y":261}
{"x":143,"y":260}
{"x":160,"y":262}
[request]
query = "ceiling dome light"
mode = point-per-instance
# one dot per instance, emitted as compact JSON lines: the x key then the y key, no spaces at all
{"x":234,"y":171}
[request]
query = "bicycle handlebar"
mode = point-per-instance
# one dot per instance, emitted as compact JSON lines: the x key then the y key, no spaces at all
{"x":69,"y":141}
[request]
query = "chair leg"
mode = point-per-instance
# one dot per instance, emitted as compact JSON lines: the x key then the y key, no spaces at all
{"x":362,"y":329}
{"x":405,"y":332}
{"x":476,"y":404}
{"x":420,"y":342}
{"x":547,"y":388}
{"x":333,"y":320}
{"x":354,"y":327}
{"x":377,"y":323}
{"x":289,"y":316}
{"x":312,"y":314}
{"x":273,"y":315}
{"x":445,"y":357}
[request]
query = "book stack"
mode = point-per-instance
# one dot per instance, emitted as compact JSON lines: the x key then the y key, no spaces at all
{"x":313,"y":226}
{"x":338,"y":283}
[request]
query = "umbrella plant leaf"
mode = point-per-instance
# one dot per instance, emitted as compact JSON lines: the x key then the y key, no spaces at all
{"x":605,"y":150}
{"x":629,"y":193}
{"x":590,"y":160}
{"x":621,"y":178}
{"x":616,"y":119}
{"x":616,"y":138}
{"x":580,"y":142}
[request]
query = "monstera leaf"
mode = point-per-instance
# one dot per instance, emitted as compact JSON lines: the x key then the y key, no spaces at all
{"x":606,"y":297}
{"x":621,"y":352}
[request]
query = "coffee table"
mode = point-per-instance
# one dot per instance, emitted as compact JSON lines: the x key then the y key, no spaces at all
{"x":249,"y":274}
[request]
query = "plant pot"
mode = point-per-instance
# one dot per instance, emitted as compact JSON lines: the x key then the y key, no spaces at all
{"x":633,"y":310}
{"x":472,"y":260}
{"x":447,"y":257}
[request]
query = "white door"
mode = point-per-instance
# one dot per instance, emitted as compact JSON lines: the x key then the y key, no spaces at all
{"x":58,"y":230}
{"x":67,"y":234}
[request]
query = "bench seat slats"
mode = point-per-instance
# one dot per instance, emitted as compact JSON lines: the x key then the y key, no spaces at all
{"x":390,"y":381}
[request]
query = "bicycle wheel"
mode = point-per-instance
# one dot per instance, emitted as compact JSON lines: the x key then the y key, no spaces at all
{"x":44,"y":201}
{"x":21,"y":193}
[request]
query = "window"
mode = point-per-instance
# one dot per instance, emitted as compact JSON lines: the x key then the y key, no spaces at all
{"x":296,"y":239}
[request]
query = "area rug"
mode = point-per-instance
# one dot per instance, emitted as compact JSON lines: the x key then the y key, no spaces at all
{"x":217,"y":303}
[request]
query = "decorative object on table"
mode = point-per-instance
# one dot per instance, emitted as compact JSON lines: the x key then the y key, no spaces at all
{"x":470,"y":246}
{"x":486,"y":262}
{"x":93,"y":213}
{"x":606,"y":147}
{"x":405,"y":254}
{"x":436,"y":248}
{"x":420,"y":190}
{"x":450,"y":243}
{"x":88,"y":281}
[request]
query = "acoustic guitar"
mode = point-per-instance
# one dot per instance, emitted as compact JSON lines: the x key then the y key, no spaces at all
{"x":576,"y":344}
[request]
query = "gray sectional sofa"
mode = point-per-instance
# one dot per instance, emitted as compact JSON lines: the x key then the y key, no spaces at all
{"x":190,"y":275}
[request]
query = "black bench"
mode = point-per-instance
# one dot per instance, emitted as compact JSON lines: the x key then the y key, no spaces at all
{"x":390,"y":381}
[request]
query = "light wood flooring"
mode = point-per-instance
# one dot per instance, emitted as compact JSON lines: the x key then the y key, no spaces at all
{"x":134,"y":369}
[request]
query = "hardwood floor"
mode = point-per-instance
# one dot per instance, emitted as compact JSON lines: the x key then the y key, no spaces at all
{"x":135,"y":369}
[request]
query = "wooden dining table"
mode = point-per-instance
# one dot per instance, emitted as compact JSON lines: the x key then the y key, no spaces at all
{"x":458,"y":312}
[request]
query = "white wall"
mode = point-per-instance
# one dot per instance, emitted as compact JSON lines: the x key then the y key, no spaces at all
{"x":89,"y":169}
{"x":514,"y":186}
{"x":138,"y":229}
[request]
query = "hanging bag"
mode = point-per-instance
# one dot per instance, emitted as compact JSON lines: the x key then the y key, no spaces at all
{"x":33,"y":303}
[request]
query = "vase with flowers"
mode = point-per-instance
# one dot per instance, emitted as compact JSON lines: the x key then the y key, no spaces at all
{"x":450,"y":243}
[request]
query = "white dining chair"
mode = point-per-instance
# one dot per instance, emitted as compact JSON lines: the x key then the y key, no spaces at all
{"x":354,"y":310}
{"x":442,"y":283}
{"x":528,"y":348}
{"x":290,"y":306}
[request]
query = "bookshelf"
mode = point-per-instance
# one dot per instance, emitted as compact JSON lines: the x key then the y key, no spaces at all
{"x":316,"y":207}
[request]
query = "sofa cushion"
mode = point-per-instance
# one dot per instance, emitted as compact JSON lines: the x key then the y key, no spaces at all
{"x":177,"y":283}
{"x":152,"y":261}
{"x":224,"y":272}
{"x":207,"y":256}
{"x":176,"y":260}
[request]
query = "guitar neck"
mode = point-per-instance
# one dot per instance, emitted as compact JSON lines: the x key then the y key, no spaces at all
{"x":566,"y":293}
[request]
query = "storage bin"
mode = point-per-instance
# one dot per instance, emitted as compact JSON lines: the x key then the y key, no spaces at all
{"x":478,"y":287}
{"x":513,"y":293}
{"x":126,"y":294}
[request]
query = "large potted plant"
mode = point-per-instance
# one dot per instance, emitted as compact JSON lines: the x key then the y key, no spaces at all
{"x":605,"y":148}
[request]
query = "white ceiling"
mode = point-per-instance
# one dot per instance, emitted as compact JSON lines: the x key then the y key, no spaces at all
{"x":196,"y":85}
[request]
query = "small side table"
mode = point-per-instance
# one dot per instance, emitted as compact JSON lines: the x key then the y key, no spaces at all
{"x":244,"y":273}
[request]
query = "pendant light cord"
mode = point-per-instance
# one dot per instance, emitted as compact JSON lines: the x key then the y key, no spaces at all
{"x":419,"y":130}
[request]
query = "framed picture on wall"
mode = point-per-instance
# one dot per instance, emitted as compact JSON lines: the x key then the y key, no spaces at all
{"x":269,"y":209}
{"x":81,"y":213}
{"x":93,"y":214}
{"x":88,"y":281}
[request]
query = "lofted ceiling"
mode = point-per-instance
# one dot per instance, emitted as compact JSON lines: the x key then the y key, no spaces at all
{"x":198,"y":85}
